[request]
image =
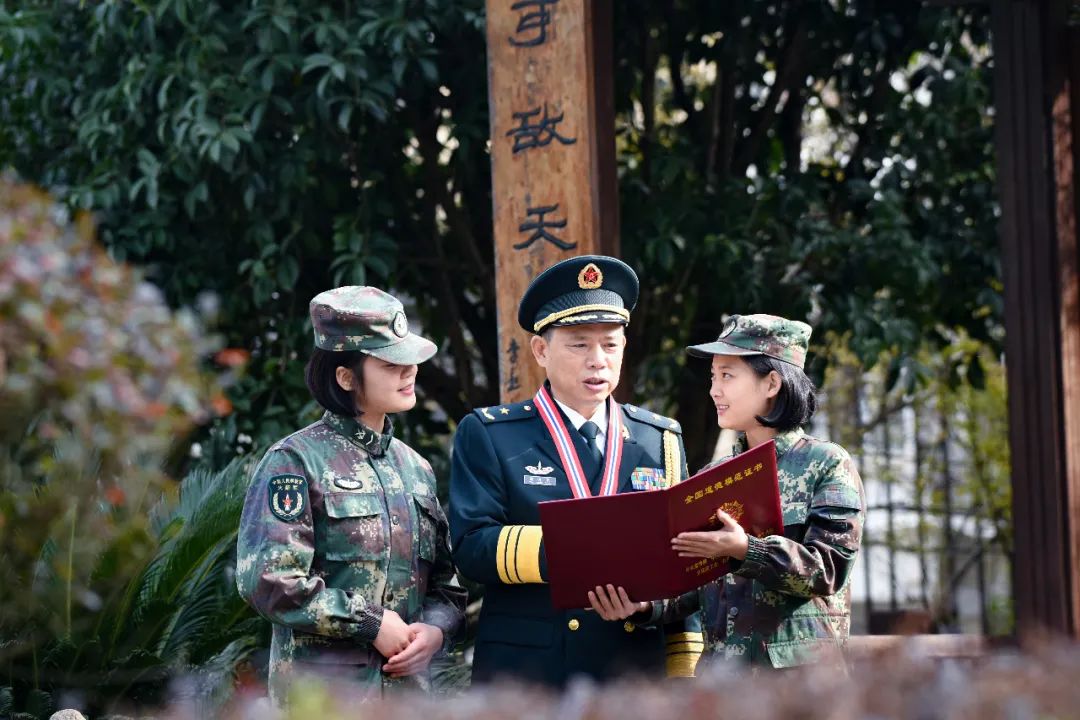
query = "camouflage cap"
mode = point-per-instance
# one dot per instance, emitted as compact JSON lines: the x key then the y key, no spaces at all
{"x":770,"y":335}
{"x":369,"y":320}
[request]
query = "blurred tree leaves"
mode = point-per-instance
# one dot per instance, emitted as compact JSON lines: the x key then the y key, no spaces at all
{"x":830,"y":161}
{"x":827,"y":161}
{"x":99,"y":380}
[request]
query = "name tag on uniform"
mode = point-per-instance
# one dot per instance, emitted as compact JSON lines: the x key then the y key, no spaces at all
{"x":647,"y":478}
{"x":540,"y":480}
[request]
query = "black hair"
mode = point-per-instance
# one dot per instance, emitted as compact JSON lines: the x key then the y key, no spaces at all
{"x":796,"y":402}
{"x":321,"y":378}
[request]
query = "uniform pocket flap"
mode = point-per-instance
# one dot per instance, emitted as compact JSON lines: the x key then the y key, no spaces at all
{"x":428,"y":504}
{"x":842,"y":496}
{"x":515,"y":631}
{"x":346,"y":505}
{"x":803,"y":652}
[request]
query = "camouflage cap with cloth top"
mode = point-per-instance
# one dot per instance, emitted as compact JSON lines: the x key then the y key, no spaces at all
{"x":367,"y":320}
{"x":770,"y":335}
{"x":577,"y":291}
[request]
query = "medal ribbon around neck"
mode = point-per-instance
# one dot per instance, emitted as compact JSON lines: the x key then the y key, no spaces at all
{"x":613,"y":446}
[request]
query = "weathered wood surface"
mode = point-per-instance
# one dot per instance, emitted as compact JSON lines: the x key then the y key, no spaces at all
{"x":1037,"y":69}
{"x":552,"y":154}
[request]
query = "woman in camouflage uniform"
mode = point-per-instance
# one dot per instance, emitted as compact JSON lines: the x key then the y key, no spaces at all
{"x":342,"y":542}
{"x":786,"y":601}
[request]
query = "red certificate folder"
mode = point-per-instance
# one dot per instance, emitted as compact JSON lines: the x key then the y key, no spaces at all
{"x":626,"y":539}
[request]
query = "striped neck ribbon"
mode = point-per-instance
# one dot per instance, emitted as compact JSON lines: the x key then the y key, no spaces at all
{"x":613,"y":446}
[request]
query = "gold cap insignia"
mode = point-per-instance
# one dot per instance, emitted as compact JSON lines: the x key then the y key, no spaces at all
{"x":590,"y":277}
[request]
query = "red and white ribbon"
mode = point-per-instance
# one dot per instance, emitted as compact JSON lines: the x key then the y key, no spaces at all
{"x":613,"y":446}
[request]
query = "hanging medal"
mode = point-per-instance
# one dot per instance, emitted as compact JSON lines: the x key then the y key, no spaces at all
{"x":613,"y":446}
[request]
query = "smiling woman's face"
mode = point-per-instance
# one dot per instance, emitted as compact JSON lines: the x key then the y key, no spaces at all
{"x":387,"y":388}
{"x":739,"y":394}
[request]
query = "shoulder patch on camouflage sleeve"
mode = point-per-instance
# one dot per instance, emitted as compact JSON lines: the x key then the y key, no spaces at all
{"x":646,"y":416}
{"x":510,"y":411}
{"x":288,"y":496}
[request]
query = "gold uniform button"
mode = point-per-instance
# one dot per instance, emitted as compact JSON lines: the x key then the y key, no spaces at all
{"x":628,"y":626}
{"x":573,"y":624}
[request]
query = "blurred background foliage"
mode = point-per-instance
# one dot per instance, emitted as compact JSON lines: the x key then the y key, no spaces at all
{"x":108,"y":577}
{"x":826,"y":160}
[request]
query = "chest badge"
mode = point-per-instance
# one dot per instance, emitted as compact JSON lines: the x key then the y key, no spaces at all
{"x":539,"y":469}
{"x":647,"y":478}
{"x":539,"y":475}
{"x":362,"y":475}
{"x":348,"y":483}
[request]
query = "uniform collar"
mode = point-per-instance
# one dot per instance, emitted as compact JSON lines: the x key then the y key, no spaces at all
{"x":375,"y":443}
{"x":784,"y":442}
{"x":577,"y":419}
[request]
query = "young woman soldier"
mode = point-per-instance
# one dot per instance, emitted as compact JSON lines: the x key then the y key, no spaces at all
{"x":786,"y":600}
{"x":342,"y":543}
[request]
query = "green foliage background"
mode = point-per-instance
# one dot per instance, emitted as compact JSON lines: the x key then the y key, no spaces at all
{"x":826,"y":160}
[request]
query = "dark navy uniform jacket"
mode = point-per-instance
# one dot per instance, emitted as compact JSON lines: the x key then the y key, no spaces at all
{"x":504,"y":463}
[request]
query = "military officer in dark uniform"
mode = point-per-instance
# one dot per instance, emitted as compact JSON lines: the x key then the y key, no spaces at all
{"x":570,"y":440}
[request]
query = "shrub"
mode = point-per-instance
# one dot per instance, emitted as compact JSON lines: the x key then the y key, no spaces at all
{"x":99,"y":378}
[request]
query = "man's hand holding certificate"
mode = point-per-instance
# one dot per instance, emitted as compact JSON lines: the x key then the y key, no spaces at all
{"x":626,"y":540}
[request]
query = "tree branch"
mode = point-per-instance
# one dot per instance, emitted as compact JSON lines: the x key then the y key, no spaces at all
{"x":721,"y":123}
{"x":648,"y":100}
{"x":426,"y":127}
{"x":789,"y":75}
{"x":676,"y":47}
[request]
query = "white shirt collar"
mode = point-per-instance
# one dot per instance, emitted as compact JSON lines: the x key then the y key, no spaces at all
{"x":577,"y":419}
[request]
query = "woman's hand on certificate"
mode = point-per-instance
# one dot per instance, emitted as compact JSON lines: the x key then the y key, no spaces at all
{"x":614,"y":604}
{"x":729,"y":541}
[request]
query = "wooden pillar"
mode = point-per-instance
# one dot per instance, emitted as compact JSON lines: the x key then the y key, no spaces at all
{"x":1037,"y":89}
{"x":552,"y":154}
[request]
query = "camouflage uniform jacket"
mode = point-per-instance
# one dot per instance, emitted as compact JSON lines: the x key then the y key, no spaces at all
{"x":339,"y":523}
{"x":788,"y":602}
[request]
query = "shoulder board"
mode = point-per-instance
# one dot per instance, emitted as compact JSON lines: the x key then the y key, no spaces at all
{"x":510,"y":411}
{"x":647,"y":416}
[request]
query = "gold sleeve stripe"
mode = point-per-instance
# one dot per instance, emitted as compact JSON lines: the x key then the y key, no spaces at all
{"x":517,"y":554}
{"x":689,"y":647}
{"x":500,"y":553}
{"x":528,"y":555}
{"x":681,"y":665}
{"x":672,"y":461}
{"x":683,"y":652}
{"x":512,"y":554}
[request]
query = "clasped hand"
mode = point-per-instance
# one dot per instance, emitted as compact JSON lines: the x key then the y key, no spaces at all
{"x":408,"y":648}
{"x":729,"y":540}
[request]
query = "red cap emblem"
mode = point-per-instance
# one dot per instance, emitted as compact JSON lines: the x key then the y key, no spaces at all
{"x":590,"y":277}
